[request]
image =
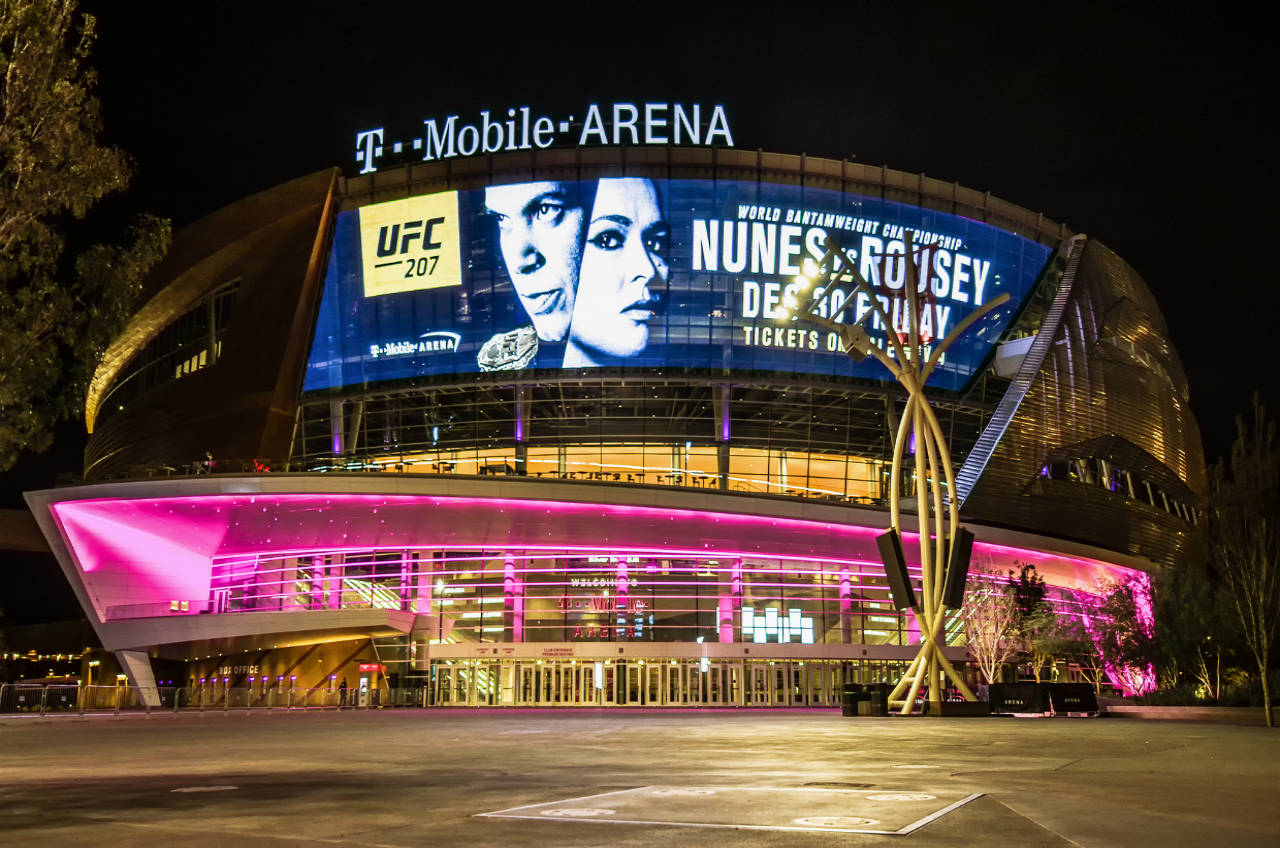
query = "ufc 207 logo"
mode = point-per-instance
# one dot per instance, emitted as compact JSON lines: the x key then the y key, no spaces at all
{"x":411,"y":244}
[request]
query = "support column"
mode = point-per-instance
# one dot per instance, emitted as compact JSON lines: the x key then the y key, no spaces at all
{"x":729,"y":602}
{"x":422,"y":604}
{"x":295,"y":576}
{"x":406,"y":580}
{"x":521,"y":430}
{"x":337,"y":438}
{"x":846,"y":607}
{"x":335,"y":581}
{"x":512,"y":601}
{"x":137,"y":667}
{"x":621,"y":601}
{"x":723,"y":411}
{"x":353,"y":425}
{"x":316,"y":600}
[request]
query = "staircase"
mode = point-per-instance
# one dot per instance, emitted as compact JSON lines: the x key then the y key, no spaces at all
{"x":982,"y":450}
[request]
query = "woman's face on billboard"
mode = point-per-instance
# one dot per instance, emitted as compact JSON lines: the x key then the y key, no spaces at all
{"x":623,"y":258}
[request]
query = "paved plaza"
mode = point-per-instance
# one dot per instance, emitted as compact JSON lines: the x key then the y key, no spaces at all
{"x":578,"y":778}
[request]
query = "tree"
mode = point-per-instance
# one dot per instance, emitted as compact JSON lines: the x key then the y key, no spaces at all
{"x":1049,"y":637}
{"x":1028,"y":591}
{"x":1244,"y":536}
{"x":56,"y":314}
{"x":1085,"y":653}
{"x":1194,"y":628}
{"x":1122,"y":628}
{"x":990,"y":616}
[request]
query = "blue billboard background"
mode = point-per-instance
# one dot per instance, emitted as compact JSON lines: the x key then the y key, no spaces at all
{"x":711,"y":261}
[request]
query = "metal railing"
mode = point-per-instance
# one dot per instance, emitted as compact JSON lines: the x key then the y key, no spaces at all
{"x":19,"y":698}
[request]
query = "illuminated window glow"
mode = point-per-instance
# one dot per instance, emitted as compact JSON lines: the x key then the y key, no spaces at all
{"x":782,"y":628}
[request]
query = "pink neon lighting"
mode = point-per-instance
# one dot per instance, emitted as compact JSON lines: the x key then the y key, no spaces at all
{"x":151,"y":551}
{"x":129,"y":564}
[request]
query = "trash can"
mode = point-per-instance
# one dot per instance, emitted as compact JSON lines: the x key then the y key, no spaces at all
{"x":849,"y":698}
{"x":878,"y":698}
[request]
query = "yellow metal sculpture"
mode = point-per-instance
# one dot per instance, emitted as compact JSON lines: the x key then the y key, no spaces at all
{"x":911,"y":359}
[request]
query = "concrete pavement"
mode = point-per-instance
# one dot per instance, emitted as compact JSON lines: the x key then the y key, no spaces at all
{"x":405,"y":778}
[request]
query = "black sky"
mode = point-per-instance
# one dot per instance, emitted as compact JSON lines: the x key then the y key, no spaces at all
{"x":1149,"y":132}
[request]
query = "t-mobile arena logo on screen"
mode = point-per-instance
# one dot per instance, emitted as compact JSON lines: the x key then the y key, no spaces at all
{"x":519,"y":129}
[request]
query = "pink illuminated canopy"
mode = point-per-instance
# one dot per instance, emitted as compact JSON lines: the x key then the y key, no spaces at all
{"x":142,"y":552}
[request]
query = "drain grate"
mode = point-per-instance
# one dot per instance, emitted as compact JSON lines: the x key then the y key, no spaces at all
{"x":838,"y":784}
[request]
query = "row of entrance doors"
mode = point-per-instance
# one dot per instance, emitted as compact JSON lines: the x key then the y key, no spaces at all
{"x":656,"y":683}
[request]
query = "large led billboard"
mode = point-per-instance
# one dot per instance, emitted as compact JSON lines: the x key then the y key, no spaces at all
{"x":632,"y":272}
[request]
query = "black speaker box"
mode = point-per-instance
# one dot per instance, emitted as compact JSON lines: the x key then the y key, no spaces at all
{"x":959,"y":552}
{"x":895,"y":568}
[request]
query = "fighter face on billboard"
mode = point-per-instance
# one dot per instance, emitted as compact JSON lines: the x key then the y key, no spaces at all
{"x":623,"y":261}
{"x":540,"y":232}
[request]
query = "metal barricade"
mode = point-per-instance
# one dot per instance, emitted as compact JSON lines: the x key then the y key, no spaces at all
{"x":122,"y":698}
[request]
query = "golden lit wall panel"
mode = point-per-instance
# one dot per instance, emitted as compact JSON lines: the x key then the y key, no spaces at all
{"x":1113,"y":383}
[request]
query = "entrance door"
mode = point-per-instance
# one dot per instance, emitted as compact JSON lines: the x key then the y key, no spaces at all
{"x":812,"y":684}
{"x":782,"y":688}
{"x":441,"y":683}
{"x":597,"y":682}
{"x":633,"y":682}
{"x":720,"y":684}
{"x":759,"y":687}
{"x":532,"y":687}
{"x":737,"y":693}
{"x":508,"y":684}
{"x":486,"y":675}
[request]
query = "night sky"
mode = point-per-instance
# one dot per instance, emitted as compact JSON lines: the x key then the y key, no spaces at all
{"x":1149,"y":133}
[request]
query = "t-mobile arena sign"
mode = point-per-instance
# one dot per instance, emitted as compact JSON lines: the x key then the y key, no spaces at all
{"x":517,"y":128}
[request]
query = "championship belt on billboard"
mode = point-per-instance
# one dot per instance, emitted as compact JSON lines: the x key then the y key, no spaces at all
{"x":508,"y":351}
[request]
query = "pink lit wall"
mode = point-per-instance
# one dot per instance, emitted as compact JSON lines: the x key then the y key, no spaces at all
{"x":138,"y":558}
{"x":147,"y":551}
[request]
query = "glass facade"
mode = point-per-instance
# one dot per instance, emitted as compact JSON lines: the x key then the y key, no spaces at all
{"x":579,"y":597}
{"x":191,"y":342}
{"x":828,"y":441}
{"x":574,"y":596}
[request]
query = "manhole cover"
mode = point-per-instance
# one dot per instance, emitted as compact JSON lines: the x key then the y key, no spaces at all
{"x":663,"y":793}
{"x":836,"y":821}
{"x":901,"y":796}
{"x":838,"y":784}
{"x":204,"y":789}
{"x":577,"y":812}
